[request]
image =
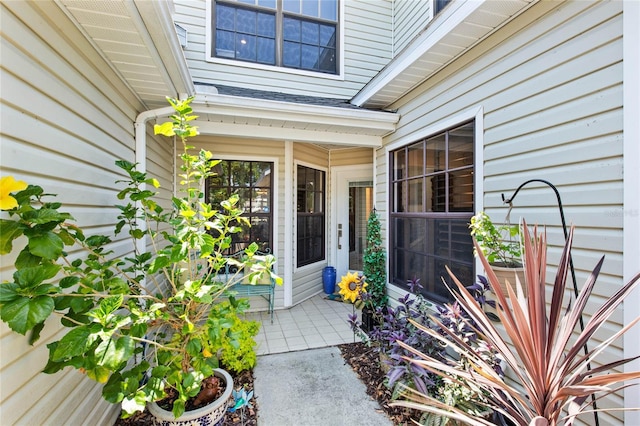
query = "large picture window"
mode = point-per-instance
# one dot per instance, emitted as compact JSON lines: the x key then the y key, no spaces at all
{"x":253,"y":182}
{"x":299,"y":34}
{"x":310,"y":215}
{"x":432,"y":191}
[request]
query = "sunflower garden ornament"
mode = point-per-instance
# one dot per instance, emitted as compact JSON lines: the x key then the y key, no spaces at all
{"x":352,"y":286}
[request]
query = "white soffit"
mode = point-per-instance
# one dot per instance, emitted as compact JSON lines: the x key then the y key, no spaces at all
{"x":138,"y":39}
{"x":461,"y":25}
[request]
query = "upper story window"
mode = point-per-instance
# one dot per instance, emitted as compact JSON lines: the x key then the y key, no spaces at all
{"x":300,"y":34}
{"x":438,"y":5}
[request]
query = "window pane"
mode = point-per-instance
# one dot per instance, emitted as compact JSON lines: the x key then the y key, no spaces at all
{"x":309,"y":57}
{"x":416,"y":235}
{"x":266,"y":25}
{"x":416,"y":159}
{"x":436,"y":154}
{"x":415,"y":195}
{"x":329,"y":9}
{"x":310,"y":8}
{"x":225,"y":17}
{"x":246,"y":21}
{"x":292,"y":29}
{"x":291,"y":56}
{"x":461,"y":198}
{"x":400,"y":197}
{"x":261,"y":201}
{"x":327,"y":60}
{"x":328,"y":36}
{"x":399,"y":164}
{"x":267,"y":3}
{"x":225,"y":44}
{"x":266,"y":51}
{"x":461,"y":146}
{"x":291,"y":6}
{"x":310,"y":33}
{"x":245,"y":47}
{"x":437,"y":195}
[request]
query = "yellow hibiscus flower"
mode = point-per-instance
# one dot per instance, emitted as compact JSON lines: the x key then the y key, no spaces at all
{"x":351,"y":285}
{"x":8,"y":185}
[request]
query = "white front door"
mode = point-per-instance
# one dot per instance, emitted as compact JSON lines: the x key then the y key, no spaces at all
{"x":352,"y":189}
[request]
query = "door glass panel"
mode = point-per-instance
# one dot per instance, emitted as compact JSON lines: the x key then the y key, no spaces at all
{"x":360,"y":206}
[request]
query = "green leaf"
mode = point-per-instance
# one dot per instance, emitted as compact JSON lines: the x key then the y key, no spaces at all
{"x":8,"y":292}
{"x":24,"y":313}
{"x":158,"y":263}
{"x":30,"y":278}
{"x":47,"y":245}
{"x":9,"y":231}
{"x":115,"y":351}
{"x":49,"y":215}
{"x":73,"y":344}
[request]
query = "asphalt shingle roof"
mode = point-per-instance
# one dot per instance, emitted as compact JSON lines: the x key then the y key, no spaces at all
{"x":281,"y":97}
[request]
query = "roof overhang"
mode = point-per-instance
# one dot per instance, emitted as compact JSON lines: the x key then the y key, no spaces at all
{"x":233,"y":116}
{"x":460,"y":26}
{"x":139,"y":40}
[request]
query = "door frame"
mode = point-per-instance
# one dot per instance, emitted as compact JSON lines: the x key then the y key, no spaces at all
{"x":340,"y":178}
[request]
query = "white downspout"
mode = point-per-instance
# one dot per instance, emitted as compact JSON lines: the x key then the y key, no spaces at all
{"x":140,"y":128}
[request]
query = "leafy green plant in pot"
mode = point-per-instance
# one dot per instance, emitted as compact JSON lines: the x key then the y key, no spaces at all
{"x":142,"y":324}
{"x":550,"y":378}
{"x":502,"y":247}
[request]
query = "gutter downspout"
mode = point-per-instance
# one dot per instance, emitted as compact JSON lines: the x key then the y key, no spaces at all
{"x":140,"y":128}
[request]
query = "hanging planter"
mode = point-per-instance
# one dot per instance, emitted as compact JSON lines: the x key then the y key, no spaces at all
{"x":210,"y":414}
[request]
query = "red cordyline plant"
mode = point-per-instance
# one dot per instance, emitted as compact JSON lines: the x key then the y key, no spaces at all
{"x":552,"y":381}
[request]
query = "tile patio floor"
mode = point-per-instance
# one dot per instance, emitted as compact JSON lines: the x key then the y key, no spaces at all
{"x":314,"y":323}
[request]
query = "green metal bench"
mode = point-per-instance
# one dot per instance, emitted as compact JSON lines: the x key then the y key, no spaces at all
{"x":264,"y":287}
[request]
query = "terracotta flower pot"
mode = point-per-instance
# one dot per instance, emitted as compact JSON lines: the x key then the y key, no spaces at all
{"x":505,"y":274}
{"x":211,"y":414}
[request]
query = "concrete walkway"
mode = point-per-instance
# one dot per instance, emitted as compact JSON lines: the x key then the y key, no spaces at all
{"x":312,"y":387}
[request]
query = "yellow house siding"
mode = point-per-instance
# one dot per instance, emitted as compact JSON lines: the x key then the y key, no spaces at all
{"x":351,"y":156}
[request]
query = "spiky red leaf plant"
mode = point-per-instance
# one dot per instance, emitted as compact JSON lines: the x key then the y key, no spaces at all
{"x":549,"y":370}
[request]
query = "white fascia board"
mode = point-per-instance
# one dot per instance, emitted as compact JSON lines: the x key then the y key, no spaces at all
{"x":158,"y":23}
{"x":289,"y":134}
{"x":422,"y":44}
{"x":383,"y":122}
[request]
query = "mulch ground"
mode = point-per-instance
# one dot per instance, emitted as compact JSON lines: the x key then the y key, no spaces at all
{"x":362,"y":359}
{"x":366,"y":363}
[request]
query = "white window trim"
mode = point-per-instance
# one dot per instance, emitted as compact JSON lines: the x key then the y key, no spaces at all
{"x":208,"y":57}
{"x":474,"y":113}
{"x":294,"y":208}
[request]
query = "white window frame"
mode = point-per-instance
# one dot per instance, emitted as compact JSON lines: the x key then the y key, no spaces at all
{"x":209,"y":28}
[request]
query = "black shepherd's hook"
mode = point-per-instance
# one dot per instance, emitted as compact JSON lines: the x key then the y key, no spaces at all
{"x":573,"y":272}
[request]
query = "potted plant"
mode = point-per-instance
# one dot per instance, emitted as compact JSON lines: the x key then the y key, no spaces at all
{"x":501,"y":246}
{"x":147,"y":324}
{"x":375,"y":271}
{"x":550,"y":377}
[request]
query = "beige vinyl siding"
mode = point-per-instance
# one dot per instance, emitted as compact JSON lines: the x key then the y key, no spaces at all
{"x":66,"y":118}
{"x":410,"y":17}
{"x":307,"y":280}
{"x":367,"y":50}
{"x":550,"y":85}
{"x":351,"y":156}
{"x":257,"y":150}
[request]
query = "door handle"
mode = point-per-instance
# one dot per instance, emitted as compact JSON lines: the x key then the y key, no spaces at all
{"x":339,"y":236}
